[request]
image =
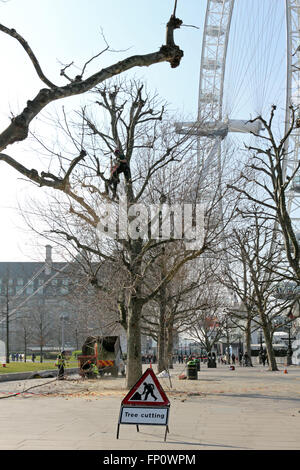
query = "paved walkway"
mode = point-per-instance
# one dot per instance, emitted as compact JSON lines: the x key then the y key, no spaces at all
{"x":248,"y":408}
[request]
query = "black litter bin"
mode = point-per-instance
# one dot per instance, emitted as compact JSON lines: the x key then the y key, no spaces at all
{"x":211,"y":361}
{"x":192,"y":372}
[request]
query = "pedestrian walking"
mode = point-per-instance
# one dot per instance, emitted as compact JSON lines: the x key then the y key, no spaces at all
{"x":246,"y":359}
{"x":61,"y":364}
{"x":233,"y":358}
{"x":240,"y":358}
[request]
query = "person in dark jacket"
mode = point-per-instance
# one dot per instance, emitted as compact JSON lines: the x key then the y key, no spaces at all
{"x":61,"y":364}
{"x":120,"y":165}
{"x":246,"y":360}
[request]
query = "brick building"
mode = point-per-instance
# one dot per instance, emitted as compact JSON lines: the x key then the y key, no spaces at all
{"x":47,"y":308}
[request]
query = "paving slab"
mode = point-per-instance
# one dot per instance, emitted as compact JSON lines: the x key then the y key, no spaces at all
{"x":245,"y":409}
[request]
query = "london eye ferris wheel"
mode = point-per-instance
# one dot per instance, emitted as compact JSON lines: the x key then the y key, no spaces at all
{"x":250,"y":60}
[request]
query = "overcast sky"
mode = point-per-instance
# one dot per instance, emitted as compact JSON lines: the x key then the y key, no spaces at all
{"x":62,"y":31}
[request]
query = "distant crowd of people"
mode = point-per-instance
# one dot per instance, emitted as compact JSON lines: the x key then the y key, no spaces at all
{"x":242,"y":359}
{"x":17,"y":357}
{"x":149,"y":359}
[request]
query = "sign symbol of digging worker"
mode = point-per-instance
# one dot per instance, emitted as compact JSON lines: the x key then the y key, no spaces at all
{"x":147,"y":392}
{"x":148,"y":389}
{"x":145,"y":403}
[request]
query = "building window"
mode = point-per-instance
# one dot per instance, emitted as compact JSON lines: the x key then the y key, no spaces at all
{"x":41,"y":282}
{"x":29,"y":290}
{"x":20,"y":282}
{"x":54,"y":282}
{"x":10,"y":282}
{"x":64,"y":290}
{"x":65,"y":282}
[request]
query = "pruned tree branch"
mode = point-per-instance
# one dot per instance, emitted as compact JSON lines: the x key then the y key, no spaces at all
{"x":18,"y":129}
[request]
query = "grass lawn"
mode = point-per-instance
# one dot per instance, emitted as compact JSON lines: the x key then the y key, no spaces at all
{"x":32,"y":366}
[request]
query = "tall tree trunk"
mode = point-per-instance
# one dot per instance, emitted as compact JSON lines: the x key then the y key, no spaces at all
{"x":248,"y":339}
{"x":169,"y":348}
{"x":134,"y":357}
{"x":161,"y":361}
{"x":162,"y":333}
{"x":41,"y":353}
{"x":228,"y":348}
{"x":269,"y":348}
{"x":25,"y":345}
{"x":7,"y":329}
{"x":134,"y":312}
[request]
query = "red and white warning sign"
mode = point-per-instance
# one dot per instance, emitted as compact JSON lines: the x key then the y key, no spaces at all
{"x":147,"y":392}
{"x":146,"y":403}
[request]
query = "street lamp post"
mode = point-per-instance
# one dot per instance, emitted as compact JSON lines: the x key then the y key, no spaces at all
{"x":289,"y":350}
{"x":261,"y":348}
{"x":63,"y":317}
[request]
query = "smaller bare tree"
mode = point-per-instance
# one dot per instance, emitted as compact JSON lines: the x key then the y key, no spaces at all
{"x":268,"y":181}
{"x":252,"y":273}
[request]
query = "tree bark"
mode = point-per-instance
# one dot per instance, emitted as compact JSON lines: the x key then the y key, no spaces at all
{"x":162,"y":353}
{"x":269,"y":347}
{"x":19,"y":127}
{"x":7,"y":328}
{"x":161,"y":343}
{"x":248,"y":338}
{"x":134,"y":359}
{"x":169,"y":348}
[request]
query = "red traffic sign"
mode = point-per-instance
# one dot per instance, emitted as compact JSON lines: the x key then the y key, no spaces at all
{"x":147,"y":392}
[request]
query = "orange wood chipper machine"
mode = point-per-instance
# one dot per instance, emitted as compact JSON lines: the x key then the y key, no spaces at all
{"x":103,"y":351}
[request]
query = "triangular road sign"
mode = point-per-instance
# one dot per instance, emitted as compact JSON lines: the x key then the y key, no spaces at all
{"x":147,"y":392}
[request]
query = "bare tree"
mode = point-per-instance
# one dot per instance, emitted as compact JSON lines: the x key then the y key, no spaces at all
{"x":25,"y":325}
{"x":176,"y":307}
{"x":19,"y":127}
{"x":267,"y":183}
{"x":137,"y":128}
{"x":43,"y":327}
{"x":5,"y":299}
{"x":209,"y":325}
{"x":252,"y":273}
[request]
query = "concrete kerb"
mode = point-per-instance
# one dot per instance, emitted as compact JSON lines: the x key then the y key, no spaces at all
{"x":35,"y":374}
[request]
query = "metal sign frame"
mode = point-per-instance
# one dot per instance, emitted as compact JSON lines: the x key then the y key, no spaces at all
{"x":135,"y":406}
{"x":134,"y":409}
